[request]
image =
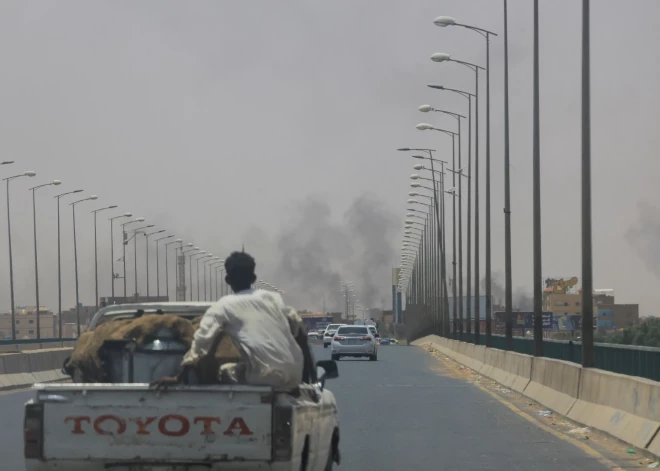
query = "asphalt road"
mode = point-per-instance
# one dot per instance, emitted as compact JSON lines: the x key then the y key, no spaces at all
{"x":399,"y":414}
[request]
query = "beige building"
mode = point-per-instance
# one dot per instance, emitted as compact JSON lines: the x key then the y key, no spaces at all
{"x":26,"y":323}
{"x":562,"y":303}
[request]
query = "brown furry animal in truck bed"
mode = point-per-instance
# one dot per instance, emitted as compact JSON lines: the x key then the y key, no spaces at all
{"x":86,"y":360}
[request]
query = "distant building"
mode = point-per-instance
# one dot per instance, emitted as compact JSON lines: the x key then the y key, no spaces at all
{"x":26,"y":323}
{"x":616,"y":316}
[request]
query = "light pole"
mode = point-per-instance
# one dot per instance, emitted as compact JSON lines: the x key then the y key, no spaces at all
{"x":75,"y":256}
{"x":219,"y":282}
{"x":96,"y":258}
{"x":146,"y":252}
{"x":136,"y":231}
{"x":112,"y":253}
{"x":167,"y":271}
{"x":124,"y":237}
{"x":195,"y":250}
{"x":11,"y":262}
{"x":458,"y":117}
{"x":158,"y":263}
{"x":587,"y":269}
{"x":210,"y":261}
{"x":59,"y":261}
{"x":444,"y":21}
{"x":443,"y":287}
{"x":36,"y":264}
{"x":468,"y":277}
{"x":508,"y":283}
{"x":536,"y":159}
{"x":442,"y":57}
{"x":198,"y":257}
{"x":181,"y":277}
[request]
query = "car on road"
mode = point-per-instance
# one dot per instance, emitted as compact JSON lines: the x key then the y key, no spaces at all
{"x":374,"y":332}
{"x":354,"y":341}
{"x":329,"y":333}
{"x":385,"y":341}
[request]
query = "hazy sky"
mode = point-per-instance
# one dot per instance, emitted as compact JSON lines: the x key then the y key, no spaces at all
{"x":216,"y":120}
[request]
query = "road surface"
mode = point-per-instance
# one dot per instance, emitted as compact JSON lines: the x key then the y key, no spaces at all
{"x":400,"y":413}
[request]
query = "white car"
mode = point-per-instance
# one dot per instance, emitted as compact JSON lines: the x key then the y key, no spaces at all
{"x":374,"y":332}
{"x":329,"y":333}
{"x":354,"y":341}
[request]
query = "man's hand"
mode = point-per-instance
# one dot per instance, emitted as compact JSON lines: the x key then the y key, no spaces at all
{"x":164,"y":381}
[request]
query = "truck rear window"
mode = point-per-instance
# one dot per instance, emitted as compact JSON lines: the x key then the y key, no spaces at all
{"x":352,"y":331}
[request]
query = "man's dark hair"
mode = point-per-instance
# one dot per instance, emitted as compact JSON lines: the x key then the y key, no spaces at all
{"x":240,"y":268}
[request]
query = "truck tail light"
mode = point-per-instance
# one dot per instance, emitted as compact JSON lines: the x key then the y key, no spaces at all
{"x":282,"y":432}
{"x":33,"y":432}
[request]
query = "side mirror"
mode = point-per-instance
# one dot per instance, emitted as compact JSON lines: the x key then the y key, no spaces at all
{"x":377,"y":336}
{"x":326,"y":369}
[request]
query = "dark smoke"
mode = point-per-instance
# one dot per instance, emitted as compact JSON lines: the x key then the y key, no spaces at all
{"x":521,"y":300}
{"x":315,"y":254}
{"x":644,"y":236}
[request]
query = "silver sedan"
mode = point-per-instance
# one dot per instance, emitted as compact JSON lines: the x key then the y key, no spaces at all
{"x":354,"y":341}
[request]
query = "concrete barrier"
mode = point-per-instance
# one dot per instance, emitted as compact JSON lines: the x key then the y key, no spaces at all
{"x":554,"y":384}
{"x":510,"y":369}
{"x":22,"y":370}
{"x":626,"y":407}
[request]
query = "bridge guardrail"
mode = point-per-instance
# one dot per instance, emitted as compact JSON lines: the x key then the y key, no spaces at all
{"x":629,"y":360}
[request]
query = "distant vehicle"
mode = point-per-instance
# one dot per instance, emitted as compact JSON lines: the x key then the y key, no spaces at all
{"x":314,"y":336}
{"x":385,"y":341}
{"x":374,"y":332}
{"x":354,"y":341}
{"x":329,"y":333}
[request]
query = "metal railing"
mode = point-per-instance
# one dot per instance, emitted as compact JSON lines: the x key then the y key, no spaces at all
{"x":624,"y":359}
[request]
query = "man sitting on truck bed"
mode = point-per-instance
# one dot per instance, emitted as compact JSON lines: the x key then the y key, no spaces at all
{"x":262,"y":327}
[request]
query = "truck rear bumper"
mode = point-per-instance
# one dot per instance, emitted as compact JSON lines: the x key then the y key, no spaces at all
{"x":65,"y":465}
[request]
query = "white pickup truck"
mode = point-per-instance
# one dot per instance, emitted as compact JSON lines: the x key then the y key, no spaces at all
{"x":127,"y":426}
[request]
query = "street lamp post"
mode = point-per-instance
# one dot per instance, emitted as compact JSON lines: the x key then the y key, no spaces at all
{"x":442,"y":57}
{"x":205,"y":256}
{"x":587,"y":262}
{"x":146,"y":252}
{"x":36,"y":264}
{"x":458,"y":117}
{"x":468,"y":277}
{"x":136,"y":231}
{"x":124,"y":236}
{"x":75,"y":256}
{"x":194,"y":250}
{"x":158,"y":263}
{"x":11,"y":262}
{"x":508,"y":288}
{"x":167,"y":271}
{"x":444,"y":21}
{"x":96,"y":258}
{"x":112,"y":253}
{"x":59,"y":262}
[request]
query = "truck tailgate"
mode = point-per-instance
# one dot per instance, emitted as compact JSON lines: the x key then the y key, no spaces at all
{"x":119,"y":423}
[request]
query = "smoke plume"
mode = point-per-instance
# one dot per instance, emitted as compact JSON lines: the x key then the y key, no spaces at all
{"x":644,"y":236}
{"x":315,"y":253}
